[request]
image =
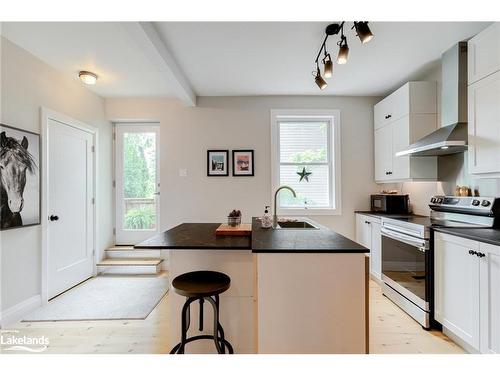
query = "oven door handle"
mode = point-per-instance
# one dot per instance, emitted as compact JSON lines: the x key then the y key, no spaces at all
{"x":421,"y":245}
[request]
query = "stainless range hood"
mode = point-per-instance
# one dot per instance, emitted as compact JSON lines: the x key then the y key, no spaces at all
{"x":451,"y":137}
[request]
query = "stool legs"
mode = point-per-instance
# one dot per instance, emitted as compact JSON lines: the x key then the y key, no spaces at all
{"x":218,"y":334}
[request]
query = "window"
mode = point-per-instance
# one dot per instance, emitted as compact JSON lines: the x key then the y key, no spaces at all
{"x":306,"y":157}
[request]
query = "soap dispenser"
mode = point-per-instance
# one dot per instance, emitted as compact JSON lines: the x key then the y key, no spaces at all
{"x":267,"y":219}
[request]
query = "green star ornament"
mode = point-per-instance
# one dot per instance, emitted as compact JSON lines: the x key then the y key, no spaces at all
{"x":304,"y":174}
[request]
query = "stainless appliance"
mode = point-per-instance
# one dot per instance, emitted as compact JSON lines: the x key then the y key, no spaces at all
{"x":451,"y":137}
{"x":407,"y":254}
{"x":390,"y":203}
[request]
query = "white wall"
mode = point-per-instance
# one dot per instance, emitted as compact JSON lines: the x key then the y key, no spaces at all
{"x":27,"y":83}
{"x":244,"y":122}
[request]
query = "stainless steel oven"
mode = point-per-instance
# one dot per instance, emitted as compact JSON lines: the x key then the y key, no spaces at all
{"x":405,"y":268}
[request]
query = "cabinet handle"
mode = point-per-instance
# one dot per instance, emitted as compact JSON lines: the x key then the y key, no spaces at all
{"x":481,"y":255}
{"x":472,"y":252}
{"x":367,"y":222}
{"x":388,"y":116}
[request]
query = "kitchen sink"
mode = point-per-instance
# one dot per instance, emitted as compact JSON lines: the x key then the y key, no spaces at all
{"x":295,"y":225}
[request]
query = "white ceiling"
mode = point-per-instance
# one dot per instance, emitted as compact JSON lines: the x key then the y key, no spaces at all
{"x":105,"y":48}
{"x":244,"y":58}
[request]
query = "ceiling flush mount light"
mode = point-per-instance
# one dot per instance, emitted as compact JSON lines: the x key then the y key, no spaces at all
{"x":363,"y":32}
{"x":88,"y":78}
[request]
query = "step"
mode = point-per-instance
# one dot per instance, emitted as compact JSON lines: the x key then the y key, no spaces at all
{"x":118,"y":252}
{"x":136,"y":266}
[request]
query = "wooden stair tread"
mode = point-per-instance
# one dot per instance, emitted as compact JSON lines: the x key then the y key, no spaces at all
{"x":121,"y":248}
{"x":129,"y":262}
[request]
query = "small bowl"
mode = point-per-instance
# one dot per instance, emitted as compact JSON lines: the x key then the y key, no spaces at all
{"x":233,"y":221}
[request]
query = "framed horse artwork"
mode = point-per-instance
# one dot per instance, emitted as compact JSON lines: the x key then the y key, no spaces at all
{"x":19,"y":178}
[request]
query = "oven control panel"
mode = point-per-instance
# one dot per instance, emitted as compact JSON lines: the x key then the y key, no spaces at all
{"x":472,"y":204}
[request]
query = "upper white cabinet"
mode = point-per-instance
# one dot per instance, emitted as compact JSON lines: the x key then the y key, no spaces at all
{"x":484,"y":125}
{"x":484,"y":53}
{"x":467,"y":290}
{"x":368,"y":234}
{"x":401,"y":119}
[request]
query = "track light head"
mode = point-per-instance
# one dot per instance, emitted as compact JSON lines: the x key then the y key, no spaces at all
{"x":328,"y":71}
{"x":319,"y":80}
{"x":343,"y":51}
{"x":363,"y":31}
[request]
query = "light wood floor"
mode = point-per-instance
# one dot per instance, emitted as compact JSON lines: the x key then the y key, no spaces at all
{"x":391,"y":332}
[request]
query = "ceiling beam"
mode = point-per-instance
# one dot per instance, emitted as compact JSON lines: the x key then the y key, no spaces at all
{"x":148,"y":39}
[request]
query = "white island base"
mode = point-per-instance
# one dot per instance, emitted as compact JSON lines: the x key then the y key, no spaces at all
{"x":279,"y":302}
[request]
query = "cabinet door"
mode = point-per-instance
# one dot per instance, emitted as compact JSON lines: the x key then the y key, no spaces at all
{"x":457,"y":287}
{"x":400,"y":142}
{"x":375,"y":250}
{"x":484,"y":125}
{"x":383,"y":153}
{"x":484,"y":53}
{"x":382,"y":112}
{"x":490,"y":299}
{"x":363,"y":230}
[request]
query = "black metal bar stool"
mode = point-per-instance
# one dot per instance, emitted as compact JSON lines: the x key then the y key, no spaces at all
{"x":201,"y":286}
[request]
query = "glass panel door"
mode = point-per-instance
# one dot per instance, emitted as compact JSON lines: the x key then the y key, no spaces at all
{"x":137,"y":182}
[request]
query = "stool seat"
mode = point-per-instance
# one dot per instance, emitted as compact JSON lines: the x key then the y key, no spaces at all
{"x":201,"y":284}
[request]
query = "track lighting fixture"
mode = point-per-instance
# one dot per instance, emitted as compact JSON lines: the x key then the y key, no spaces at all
{"x":319,"y":80}
{"x":328,"y":71}
{"x":343,"y":51}
{"x":362,"y":31}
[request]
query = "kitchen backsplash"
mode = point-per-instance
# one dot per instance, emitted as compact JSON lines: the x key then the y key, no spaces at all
{"x":452,"y":171}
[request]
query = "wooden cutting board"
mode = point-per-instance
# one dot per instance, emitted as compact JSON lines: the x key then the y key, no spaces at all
{"x":240,"y":230}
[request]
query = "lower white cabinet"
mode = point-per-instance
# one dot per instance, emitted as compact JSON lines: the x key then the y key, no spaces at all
{"x":368,"y":235}
{"x":467,"y":290}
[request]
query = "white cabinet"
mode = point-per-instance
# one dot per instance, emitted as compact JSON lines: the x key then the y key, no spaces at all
{"x":401,"y":119}
{"x":467,"y":290}
{"x":484,"y":125}
{"x":457,"y":287}
{"x":413,"y":97}
{"x":368,"y":234}
{"x":490,"y":298}
{"x":484,"y":53}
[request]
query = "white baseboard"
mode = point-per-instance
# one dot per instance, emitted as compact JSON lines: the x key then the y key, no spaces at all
{"x":15,"y":313}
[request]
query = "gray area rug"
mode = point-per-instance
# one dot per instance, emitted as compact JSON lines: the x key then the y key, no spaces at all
{"x":105,"y":297}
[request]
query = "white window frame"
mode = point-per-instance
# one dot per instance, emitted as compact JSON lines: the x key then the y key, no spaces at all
{"x":334,"y":155}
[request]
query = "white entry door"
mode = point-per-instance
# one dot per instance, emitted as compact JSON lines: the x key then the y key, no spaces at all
{"x":137,"y":182}
{"x":70,"y":206}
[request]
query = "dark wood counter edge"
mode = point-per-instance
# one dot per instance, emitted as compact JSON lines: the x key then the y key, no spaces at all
{"x":469,"y":236}
{"x":314,"y":251}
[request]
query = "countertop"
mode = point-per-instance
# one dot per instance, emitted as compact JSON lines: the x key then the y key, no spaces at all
{"x":321,"y":240}
{"x":195,"y":236}
{"x":488,"y":235}
{"x":381,"y":214}
{"x":201,"y":236}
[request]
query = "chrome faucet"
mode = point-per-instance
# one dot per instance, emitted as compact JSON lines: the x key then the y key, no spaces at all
{"x":275,"y":216}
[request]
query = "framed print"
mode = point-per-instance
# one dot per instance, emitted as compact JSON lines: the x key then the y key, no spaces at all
{"x":218,"y":163}
{"x":19,"y":178}
{"x":243,"y":164}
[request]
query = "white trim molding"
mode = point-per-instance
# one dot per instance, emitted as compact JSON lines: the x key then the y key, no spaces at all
{"x":15,"y":313}
{"x":332,"y":116}
{"x":46,"y":115}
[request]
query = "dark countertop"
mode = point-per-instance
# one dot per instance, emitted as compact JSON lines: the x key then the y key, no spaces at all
{"x":195,"y":236}
{"x":321,"y":240}
{"x":201,"y":236}
{"x":488,"y":235}
{"x":381,"y":214}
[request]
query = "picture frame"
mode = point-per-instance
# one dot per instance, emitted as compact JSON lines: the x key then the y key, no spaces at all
{"x":217,"y":163}
{"x":243,"y":163}
{"x":20,"y":150}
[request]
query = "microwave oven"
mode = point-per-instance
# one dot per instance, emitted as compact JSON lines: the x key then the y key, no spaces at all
{"x":390,"y":203}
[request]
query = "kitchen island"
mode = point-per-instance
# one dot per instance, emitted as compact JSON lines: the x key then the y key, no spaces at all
{"x":292,"y":290}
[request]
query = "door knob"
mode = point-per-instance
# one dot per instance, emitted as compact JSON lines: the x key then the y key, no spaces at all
{"x":53,"y":217}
